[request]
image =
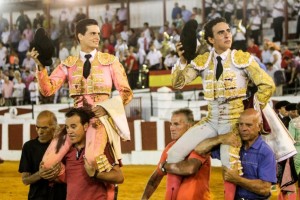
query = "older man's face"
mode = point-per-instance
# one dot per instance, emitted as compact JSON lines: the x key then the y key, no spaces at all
{"x":249,"y":128}
{"x":179,"y":125}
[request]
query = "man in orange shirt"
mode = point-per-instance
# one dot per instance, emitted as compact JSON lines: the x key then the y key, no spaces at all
{"x":195,"y":170}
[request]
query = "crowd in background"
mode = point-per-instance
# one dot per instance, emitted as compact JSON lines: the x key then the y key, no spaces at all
{"x":149,"y":46}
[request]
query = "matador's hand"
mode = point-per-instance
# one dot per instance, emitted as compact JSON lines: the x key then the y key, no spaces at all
{"x":99,"y":111}
{"x":180,"y":52}
{"x":90,"y":170}
{"x":34,"y":54}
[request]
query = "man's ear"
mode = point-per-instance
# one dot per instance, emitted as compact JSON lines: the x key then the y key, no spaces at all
{"x":85,"y":126}
{"x":260,"y":126}
{"x":211,"y":40}
{"x":80,"y":36}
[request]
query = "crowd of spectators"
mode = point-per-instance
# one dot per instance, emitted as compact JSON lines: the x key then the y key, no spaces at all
{"x":136,"y":48}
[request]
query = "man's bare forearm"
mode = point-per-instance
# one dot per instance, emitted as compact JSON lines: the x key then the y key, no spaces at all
{"x":152,"y":184}
{"x":207,"y":145}
{"x":256,"y":186}
{"x":28,"y":178}
{"x":183,"y":168}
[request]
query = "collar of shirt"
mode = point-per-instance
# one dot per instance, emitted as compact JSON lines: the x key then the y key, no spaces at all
{"x":257,"y":143}
{"x":280,"y":115}
{"x":82,"y":54}
{"x":222,"y":55}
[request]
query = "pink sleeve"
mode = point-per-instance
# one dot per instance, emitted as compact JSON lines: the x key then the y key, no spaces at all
{"x":50,"y":157}
{"x":50,"y":84}
{"x":120,"y":81}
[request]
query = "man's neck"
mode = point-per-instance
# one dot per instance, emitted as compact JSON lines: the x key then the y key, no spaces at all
{"x":249,"y":143}
{"x":219,"y":52}
{"x":80,"y":145}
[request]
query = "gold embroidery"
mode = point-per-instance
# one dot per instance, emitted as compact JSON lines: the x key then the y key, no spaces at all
{"x":96,"y":70}
{"x":226,"y":86}
{"x":209,"y":86}
{"x":241,"y":59}
{"x":209,"y":76}
{"x":70,"y":61}
{"x":105,"y":58}
{"x":98,"y":79}
{"x":200,"y":60}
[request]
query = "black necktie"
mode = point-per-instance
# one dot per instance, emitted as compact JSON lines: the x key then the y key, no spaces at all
{"x":87,"y":66}
{"x":219,"y":67}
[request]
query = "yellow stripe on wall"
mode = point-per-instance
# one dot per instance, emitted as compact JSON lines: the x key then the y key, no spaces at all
{"x":165,"y":80}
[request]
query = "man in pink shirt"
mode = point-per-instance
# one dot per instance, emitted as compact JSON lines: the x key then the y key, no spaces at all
{"x":7,"y":90}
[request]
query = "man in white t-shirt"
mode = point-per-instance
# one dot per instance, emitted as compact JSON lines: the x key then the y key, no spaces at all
{"x":154,"y":58}
{"x":107,"y":14}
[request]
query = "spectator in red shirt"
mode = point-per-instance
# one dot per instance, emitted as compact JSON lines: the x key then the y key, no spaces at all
{"x":119,"y":27}
{"x":132,"y":67}
{"x":285,"y":53}
{"x":106,"y":29}
{"x":108,"y":47}
{"x":253,"y":49}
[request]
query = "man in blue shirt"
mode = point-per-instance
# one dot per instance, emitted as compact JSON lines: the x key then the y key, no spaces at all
{"x":257,"y":158}
{"x":176,"y":10}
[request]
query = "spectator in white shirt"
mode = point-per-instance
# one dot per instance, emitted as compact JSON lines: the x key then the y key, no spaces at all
{"x":28,"y":32}
{"x":107,"y":14}
{"x":5,"y":36}
{"x":3,"y":54}
{"x":28,"y":63}
{"x":122,"y":14}
{"x":63,"y":51}
{"x":154,"y":58}
{"x":238,"y":32}
{"x":170,"y":60}
{"x":265,"y":53}
{"x":124,"y":34}
{"x":141,"y":55}
{"x":34,"y":92}
{"x":213,"y":14}
{"x":23,"y":48}
{"x":18,"y":93}
{"x":255,"y":26}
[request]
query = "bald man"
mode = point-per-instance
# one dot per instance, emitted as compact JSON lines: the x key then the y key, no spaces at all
{"x":257,"y":158}
{"x":32,"y":154}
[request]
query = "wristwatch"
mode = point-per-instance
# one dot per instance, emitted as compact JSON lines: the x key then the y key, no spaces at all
{"x":162,"y":167}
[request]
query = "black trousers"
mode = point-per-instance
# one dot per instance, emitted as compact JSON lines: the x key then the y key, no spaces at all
{"x":278,"y":29}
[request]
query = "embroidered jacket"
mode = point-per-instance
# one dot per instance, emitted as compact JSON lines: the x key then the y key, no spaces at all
{"x":238,"y":69}
{"x":106,"y":70}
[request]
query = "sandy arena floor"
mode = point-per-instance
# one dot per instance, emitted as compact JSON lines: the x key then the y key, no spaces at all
{"x":136,"y":177}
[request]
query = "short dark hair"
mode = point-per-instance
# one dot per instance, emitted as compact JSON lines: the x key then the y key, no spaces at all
{"x":187,"y":113}
{"x":209,"y":26}
{"x":84,"y":114}
{"x":81,"y":26}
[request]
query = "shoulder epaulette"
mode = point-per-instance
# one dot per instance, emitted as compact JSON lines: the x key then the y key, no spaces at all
{"x":70,"y":61}
{"x":201,"y":61}
{"x":241,"y":59}
{"x":105,"y":58}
